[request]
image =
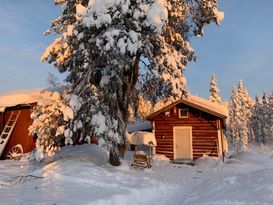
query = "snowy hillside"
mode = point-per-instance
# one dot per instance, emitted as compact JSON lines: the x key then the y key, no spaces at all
{"x":81,"y":175}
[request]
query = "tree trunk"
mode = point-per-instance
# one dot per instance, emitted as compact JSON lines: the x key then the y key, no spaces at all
{"x":114,"y":158}
{"x":125,"y":97}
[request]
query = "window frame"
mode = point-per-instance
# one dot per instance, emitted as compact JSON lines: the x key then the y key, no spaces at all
{"x":183,"y":116}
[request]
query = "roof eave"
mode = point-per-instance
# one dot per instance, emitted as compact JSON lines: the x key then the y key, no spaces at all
{"x":187,"y":102}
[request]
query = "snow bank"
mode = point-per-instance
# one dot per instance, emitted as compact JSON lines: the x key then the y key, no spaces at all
{"x":207,"y":162}
{"x":86,"y":153}
{"x":250,"y":158}
{"x":160,"y":157}
{"x":262,"y":149}
{"x":81,"y":175}
{"x":160,"y":160}
{"x":245,"y":178}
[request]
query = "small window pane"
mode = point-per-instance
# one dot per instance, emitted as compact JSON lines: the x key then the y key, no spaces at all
{"x":183,"y":112}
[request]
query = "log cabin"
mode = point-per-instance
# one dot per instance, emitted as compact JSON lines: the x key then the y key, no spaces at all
{"x":190,"y":128}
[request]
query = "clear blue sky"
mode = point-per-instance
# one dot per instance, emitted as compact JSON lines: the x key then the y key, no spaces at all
{"x":241,"y":48}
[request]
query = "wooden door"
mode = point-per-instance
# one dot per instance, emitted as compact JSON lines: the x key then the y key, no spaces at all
{"x":182,"y":143}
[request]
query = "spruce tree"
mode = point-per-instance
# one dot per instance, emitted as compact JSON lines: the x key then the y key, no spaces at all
{"x":102,"y":44}
{"x":267,"y":117}
{"x":240,"y":115}
{"x":262,"y":118}
{"x":214,"y":91}
{"x":257,"y":120}
{"x":270,"y":115}
{"x":233,"y":106}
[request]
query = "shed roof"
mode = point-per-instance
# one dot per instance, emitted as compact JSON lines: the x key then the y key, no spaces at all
{"x":19,"y":97}
{"x":142,"y":138}
{"x":216,"y":109}
{"x":139,"y":126}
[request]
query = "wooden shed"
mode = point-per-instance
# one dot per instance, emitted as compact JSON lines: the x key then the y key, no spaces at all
{"x":20,"y":135}
{"x":189,"y":128}
{"x":18,"y":105}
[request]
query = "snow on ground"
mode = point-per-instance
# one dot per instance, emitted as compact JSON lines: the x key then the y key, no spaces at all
{"x":81,"y":175}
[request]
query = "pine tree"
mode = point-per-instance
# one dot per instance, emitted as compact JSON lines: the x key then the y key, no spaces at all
{"x":102,"y":44}
{"x":214,"y":91}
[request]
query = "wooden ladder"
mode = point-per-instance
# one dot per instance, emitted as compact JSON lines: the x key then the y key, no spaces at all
{"x":7,"y":131}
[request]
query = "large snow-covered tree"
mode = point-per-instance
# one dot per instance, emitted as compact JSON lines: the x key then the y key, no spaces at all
{"x":114,"y":49}
{"x":214,"y":91}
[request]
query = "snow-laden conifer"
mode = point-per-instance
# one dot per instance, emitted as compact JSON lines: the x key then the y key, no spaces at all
{"x":114,"y":49}
{"x":270,"y":115}
{"x":214,"y":91}
{"x":262,"y":119}
{"x":240,"y":114}
{"x":257,"y":120}
{"x":233,"y":109}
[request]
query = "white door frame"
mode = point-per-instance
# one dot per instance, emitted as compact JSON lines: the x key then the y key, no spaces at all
{"x":174,"y":140}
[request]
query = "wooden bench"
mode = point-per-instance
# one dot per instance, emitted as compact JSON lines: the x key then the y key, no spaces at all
{"x":142,"y":161}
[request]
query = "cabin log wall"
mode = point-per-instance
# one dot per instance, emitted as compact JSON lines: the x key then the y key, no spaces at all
{"x":204,"y":132}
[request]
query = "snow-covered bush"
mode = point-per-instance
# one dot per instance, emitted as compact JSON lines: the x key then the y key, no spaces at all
{"x":53,"y":122}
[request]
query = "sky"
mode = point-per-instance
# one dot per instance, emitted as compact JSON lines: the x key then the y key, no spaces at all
{"x":241,"y":48}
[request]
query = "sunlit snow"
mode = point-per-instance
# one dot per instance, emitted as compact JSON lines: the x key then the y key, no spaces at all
{"x":81,"y":175}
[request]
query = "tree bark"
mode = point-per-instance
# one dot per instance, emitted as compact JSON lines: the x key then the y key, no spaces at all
{"x":129,"y":81}
{"x":114,"y":158}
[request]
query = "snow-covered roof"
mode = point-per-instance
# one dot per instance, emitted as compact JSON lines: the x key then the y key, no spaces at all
{"x":19,"y":97}
{"x":213,"y":108}
{"x":139,"y":126}
{"x":142,"y":138}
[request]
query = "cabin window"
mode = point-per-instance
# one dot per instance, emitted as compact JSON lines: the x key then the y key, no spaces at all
{"x":183,"y":113}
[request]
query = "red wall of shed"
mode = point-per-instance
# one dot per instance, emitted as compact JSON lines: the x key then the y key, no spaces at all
{"x":20,"y":134}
